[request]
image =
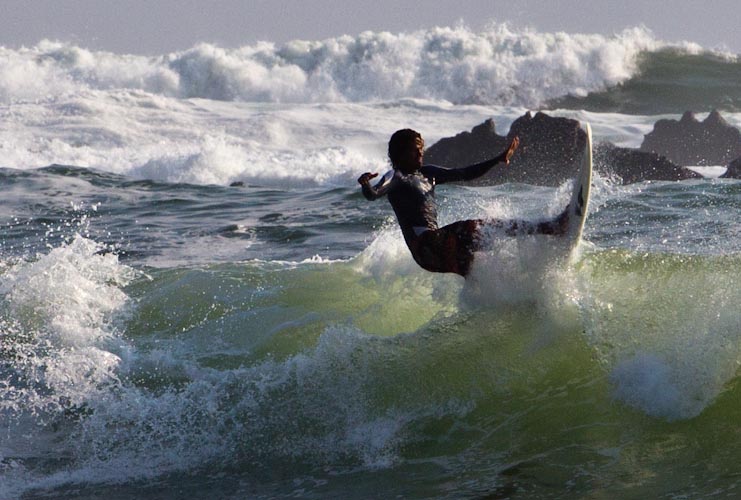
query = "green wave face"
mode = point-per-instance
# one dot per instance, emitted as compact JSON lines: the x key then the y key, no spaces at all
{"x":617,"y":376}
{"x":669,"y":81}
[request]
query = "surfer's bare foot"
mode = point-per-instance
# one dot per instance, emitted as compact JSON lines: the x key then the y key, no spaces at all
{"x":554,"y":227}
{"x":561,"y":223}
{"x":557,"y":226}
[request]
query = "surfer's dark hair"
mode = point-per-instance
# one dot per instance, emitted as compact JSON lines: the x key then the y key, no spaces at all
{"x":400,"y":140}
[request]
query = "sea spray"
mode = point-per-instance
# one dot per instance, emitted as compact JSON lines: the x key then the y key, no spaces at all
{"x":60,"y":348}
{"x":60,"y":312}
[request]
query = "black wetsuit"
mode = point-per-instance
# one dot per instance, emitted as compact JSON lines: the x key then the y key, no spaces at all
{"x":448,"y":249}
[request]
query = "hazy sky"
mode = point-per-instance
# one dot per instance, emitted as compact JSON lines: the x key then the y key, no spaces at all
{"x":159,"y":26}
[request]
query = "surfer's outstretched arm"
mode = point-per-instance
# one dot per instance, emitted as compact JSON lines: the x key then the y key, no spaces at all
{"x":477,"y":170}
{"x":380,"y":189}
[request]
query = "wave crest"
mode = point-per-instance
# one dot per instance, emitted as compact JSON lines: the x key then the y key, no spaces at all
{"x":499,"y":65}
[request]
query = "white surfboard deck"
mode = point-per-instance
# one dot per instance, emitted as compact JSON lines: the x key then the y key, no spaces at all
{"x":579,"y":204}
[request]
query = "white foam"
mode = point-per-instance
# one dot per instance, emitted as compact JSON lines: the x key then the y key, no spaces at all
{"x":646,"y":382}
{"x":387,"y":256}
{"x":318,"y":403}
{"x":210,"y":142}
{"x":62,"y":309}
{"x":499,"y":65}
{"x":58,"y":320}
{"x":674,"y":384}
{"x":216,"y":115}
{"x":711,"y":172}
{"x":68,"y":294}
{"x":517,"y":269}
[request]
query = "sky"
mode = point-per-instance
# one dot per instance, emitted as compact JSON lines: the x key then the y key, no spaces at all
{"x":161,"y":26}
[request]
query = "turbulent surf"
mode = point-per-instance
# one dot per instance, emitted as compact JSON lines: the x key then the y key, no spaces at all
{"x":196,"y":300}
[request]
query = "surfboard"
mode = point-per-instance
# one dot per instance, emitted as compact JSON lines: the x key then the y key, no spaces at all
{"x":579,"y":203}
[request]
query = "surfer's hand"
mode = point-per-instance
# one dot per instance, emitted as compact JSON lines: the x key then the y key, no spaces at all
{"x":507,"y":155}
{"x":365,"y":178}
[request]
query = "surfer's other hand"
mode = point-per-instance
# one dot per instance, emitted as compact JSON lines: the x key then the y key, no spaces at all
{"x":366,"y":177}
{"x":507,"y":155}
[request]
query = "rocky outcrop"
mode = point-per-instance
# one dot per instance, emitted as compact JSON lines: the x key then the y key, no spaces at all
{"x":734,"y":170}
{"x":551,"y":147}
{"x":467,"y":148}
{"x":548,"y":154}
{"x":691,"y":142}
{"x":630,"y":165}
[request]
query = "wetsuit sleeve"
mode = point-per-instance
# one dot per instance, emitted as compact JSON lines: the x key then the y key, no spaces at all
{"x":443,"y":175}
{"x":381,"y":188}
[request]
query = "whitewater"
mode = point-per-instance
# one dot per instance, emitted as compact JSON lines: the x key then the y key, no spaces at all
{"x":196,"y":300}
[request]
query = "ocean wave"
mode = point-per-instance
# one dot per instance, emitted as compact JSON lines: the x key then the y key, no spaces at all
{"x":342,"y":367}
{"x":499,"y":65}
{"x":671,"y":80}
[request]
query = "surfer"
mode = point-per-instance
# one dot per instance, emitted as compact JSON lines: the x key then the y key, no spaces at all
{"x":410,"y":187}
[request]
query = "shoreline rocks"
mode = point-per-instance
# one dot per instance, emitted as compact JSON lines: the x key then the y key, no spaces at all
{"x":550,"y":149}
{"x":632,"y":165}
{"x":734,"y":170}
{"x":547,"y":154}
{"x":690,"y":142}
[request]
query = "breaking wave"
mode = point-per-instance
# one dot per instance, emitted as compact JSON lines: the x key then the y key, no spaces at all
{"x":500,"y":65}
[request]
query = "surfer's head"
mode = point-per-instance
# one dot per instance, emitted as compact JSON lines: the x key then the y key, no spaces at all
{"x":406,"y":149}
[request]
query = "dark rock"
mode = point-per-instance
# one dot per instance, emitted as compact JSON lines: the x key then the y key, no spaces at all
{"x":548,"y":153}
{"x":690,"y":142}
{"x":632,"y":165}
{"x":734,"y":170}
{"x":550,"y":150}
{"x":237,"y":184}
{"x":467,"y":148}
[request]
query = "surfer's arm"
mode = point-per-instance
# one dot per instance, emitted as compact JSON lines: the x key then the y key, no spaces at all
{"x":380,"y":189}
{"x":471,"y":172}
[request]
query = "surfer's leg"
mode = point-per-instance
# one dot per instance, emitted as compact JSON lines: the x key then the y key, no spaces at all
{"x":515,"y":227}
{"x":464,"y":239}
{"x":449,"y":249}
{"x":556,"y":226}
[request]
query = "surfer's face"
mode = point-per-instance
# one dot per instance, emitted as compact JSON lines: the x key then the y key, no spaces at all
{"x":411,"y":158}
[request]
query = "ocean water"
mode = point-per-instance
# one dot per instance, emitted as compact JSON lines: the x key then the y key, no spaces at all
{"x":166,"y":335}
